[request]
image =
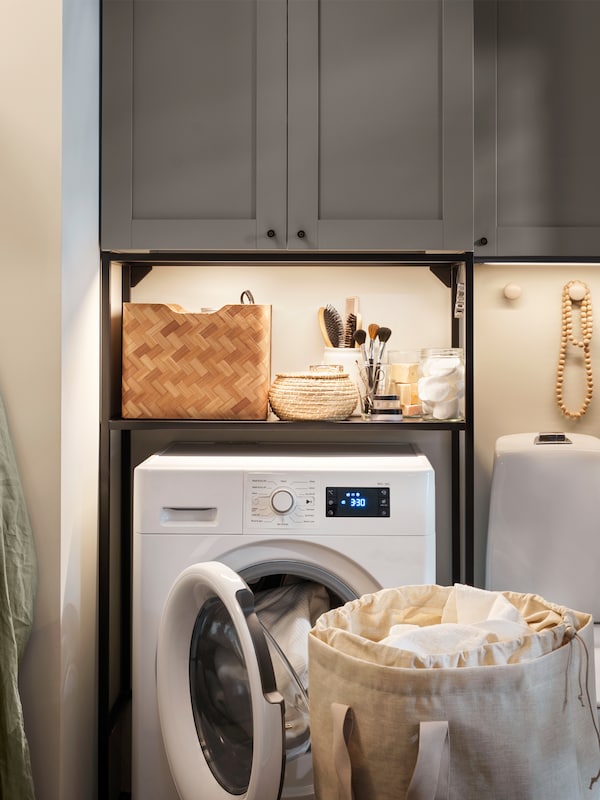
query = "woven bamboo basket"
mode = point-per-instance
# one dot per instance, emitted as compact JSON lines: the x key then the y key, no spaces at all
{"x":313,"y":395}
{"x":178,"y":364}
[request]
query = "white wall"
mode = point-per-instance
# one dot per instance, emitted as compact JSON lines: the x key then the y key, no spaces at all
{"x":411,"y":301}
{"x":49,"y":361}
{"x":516,"y":356}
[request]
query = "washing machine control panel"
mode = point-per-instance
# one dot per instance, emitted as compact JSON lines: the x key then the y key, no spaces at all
{"x":281,"y":500}
{"x":303,"y":501}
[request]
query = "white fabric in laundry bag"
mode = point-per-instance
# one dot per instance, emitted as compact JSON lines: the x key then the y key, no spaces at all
{"x":477,"y":627}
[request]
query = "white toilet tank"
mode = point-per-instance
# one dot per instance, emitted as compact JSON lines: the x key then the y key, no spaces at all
{"x":544,"y":522}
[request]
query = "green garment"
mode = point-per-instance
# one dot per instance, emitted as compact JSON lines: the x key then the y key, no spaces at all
{"x":18,"y":577}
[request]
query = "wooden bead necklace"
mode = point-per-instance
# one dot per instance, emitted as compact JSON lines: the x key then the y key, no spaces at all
{"x":575,"y":292}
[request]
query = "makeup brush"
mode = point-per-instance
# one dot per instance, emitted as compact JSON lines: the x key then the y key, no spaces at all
{"x":360,"y":337}
{"x":373,"y":331}
{"x":383,"y":334}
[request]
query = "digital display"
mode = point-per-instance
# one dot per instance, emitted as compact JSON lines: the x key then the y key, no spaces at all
{"x":351,"y":501}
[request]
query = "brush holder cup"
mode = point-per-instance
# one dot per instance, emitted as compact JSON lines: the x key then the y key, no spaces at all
{"x":442,"y":383}
{"x":372,"y":384}
{"x":296,"y":396}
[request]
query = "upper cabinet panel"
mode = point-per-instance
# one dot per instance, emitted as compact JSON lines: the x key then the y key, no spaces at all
{"x":380,"y":124}
{"x":537,"y":158}
{"x":298,"y":124}
{"x":183,"y":66}
{"x":194,"y":118}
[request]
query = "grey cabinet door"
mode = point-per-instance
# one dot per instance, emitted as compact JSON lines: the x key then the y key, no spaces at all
{"x":537,"y":127}
{"x":194,"y":121}
{"x":380,"y":124}
{"x":317,"y":124}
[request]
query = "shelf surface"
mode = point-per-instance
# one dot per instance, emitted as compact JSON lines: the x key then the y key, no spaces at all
{"x":119,"y":423}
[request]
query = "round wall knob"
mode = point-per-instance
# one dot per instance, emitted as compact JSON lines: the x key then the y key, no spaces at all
{"x":577,"y":291}
{"x":301,"y":234}
{"x":512,"y":291}
{"x":270,"y":233}
{"x":282,"y":501}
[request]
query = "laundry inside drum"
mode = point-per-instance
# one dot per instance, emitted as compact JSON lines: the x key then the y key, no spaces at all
{"x":287,"y":613}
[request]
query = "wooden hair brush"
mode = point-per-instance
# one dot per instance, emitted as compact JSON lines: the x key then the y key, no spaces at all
{"x":332,"y":326}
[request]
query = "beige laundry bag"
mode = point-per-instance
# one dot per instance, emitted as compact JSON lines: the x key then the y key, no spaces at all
{"x":418,"y":694}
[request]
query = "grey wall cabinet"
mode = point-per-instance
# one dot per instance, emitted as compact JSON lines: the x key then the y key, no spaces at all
{"x":287,"y":124}
{"x":537,"y":128}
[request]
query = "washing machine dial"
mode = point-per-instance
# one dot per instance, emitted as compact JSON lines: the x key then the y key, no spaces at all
{"x":282,"y":501}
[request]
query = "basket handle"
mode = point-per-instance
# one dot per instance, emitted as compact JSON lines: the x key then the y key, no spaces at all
{"x":430,"y":779}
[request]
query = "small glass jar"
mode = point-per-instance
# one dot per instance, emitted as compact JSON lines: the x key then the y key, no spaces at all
{"x":442,"y":383}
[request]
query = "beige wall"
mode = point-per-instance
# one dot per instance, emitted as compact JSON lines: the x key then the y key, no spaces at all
{"x":516,"y":356}
{"x":48,"y":361}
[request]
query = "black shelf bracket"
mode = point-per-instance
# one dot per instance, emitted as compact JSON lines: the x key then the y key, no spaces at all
{"x":138,"y":272}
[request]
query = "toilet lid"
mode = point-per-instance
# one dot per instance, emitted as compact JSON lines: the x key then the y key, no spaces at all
{"x":221,"y":715}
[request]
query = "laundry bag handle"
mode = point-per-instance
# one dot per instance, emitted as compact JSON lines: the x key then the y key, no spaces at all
{"x":430,"y":778}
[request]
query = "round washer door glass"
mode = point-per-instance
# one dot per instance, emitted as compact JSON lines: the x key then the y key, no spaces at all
{"x":221,"y":698}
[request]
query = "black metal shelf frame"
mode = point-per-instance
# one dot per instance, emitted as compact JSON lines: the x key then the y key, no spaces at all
{"x":121,"y":271}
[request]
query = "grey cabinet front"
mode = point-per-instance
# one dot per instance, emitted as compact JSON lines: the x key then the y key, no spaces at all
{"x":537,"y":134}
{"x":287,"y":124}
{"x":380,"y":124}
{"x":194,"y":120}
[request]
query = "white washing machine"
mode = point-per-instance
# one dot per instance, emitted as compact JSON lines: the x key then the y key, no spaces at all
{"x":236,"y":550}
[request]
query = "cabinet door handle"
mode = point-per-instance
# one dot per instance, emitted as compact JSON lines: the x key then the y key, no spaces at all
{"x":481,"y":242}
{"x":301,"y":234}
{"x":271,"y":233}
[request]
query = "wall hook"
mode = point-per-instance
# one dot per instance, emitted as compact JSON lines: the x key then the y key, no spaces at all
{"x":512,"y":291}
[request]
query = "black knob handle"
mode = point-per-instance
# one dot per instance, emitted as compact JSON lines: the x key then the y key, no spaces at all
{"x":270,"y":233}
{"x":481,"y":242}
{"x":301,"y":234}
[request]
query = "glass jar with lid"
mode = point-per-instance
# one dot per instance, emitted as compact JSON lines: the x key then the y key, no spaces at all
{"x":442,"y":383}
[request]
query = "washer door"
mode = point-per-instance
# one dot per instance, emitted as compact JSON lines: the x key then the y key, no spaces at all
{"x":221,"y":715}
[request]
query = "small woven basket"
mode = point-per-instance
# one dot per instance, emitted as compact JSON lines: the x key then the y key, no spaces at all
{"x":313,"y":395}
